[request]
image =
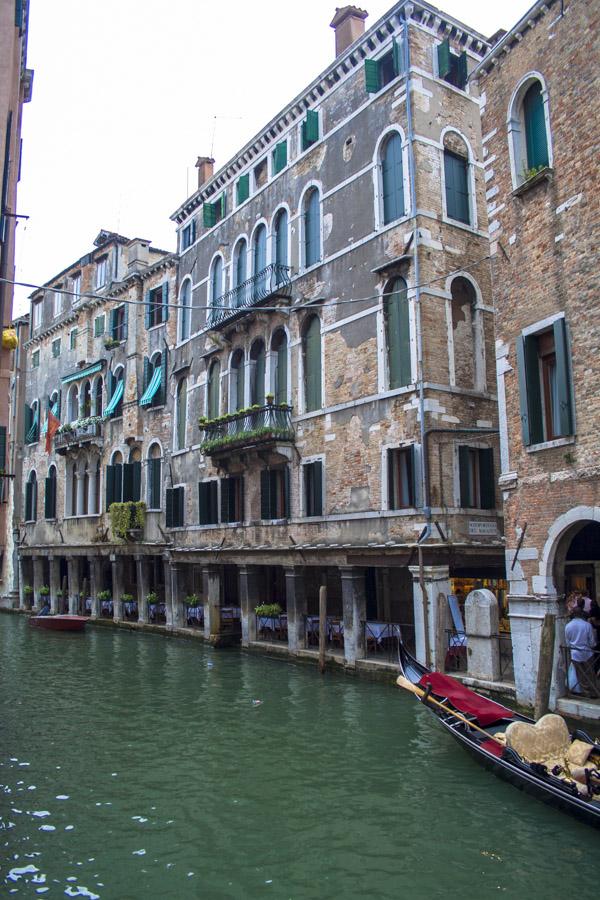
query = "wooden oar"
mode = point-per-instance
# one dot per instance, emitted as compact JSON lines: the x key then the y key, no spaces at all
{"x":403,"y":682}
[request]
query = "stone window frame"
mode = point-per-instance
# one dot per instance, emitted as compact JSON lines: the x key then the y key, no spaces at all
{"x":383,"y":377}
{"x":31,"y":479}
{"x":35,"y":358}
{"x":515,"y":127}
{"x":308,"y":187}
{"x":176,"y":423}
{"x":385,"y":498}
{"x":473,"y":445}
{"x":480,"y":370}
{"x":271,"y":368}
{"x":281,"y":207}
{"x":181,"y":338}
{"x":377,"y":178}
{"x":304,"y":462}
{"x":148,"y":486}
{"x":302,"y":384}
{"x":58,"y":301}
{"x":471,"y":166}
{"x":261,"y":222}
{"x":211,"y":287}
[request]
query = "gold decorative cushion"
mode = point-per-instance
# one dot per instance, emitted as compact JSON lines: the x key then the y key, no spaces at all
{"x":548,"y":740}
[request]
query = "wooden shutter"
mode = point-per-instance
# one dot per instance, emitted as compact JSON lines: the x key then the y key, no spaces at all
{"x":398,"y":335}
{"x":564,"y":425}
{"x":265,"y":494}
{"x":286,"y":492}
{"x":461,"y":70}
{"x":317,"y":488}
{"x":161,"y":394}
{"x":312,"y":229}
{"x":58,"y":404}
{"x":399,"y":56}
{"x":136,"y":481}
{"x":529,"y":391}
{"x":169,"y":501}
{"x":165,"y":301}
{"x":50,"y":498}
{"x":310,"y":129}
{"x":118,"y":494}
{"x":207,"y":502}
{"x":110,"y":486}
{"x":535,"y":127}
{"x":312,"y":365}
{"x":464,"y":468}
{"x":371,"y":76}
{"x":443,"y":55}
{"x":392,"y":179}
{"x":147,"y":376}
{"x":457,"y":187}
{"x":227,"y":488}
{"x":28,"y":501}
{"x":243,"y":188}
{"x":280,"y":157}
{"x":127,"y":495}
{"x":412,"y":473}
{"x":154,"y":471}
{"x":179,"y":506}
{"x":209,"y":215}
{"x":487,"y":486}
{"x":147,"y":311}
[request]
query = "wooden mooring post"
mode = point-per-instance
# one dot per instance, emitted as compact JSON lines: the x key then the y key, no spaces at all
{"x":322,"y":626}
{"x":545,"y":662}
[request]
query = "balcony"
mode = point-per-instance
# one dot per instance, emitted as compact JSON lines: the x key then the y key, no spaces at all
{"x":76,"y":435}
{"x":257,"y":426}
{"x":272,"y":283}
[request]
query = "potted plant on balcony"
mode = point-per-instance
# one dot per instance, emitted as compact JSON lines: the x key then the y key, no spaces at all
{"x":44,"y":590}
{"x":104,"y":595}
{"x":191,"y":600}
{"x":111,"y":343}
{"x":268,"y":609}
{"x":270,"y":398}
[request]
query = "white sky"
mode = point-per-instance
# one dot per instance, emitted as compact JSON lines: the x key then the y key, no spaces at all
{"x":125,"y":96}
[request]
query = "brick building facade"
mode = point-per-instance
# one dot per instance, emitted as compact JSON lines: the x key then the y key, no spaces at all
{"x":540,"y":116}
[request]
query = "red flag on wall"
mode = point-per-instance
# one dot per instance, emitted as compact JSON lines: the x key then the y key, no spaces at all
{"x":53,"y":426}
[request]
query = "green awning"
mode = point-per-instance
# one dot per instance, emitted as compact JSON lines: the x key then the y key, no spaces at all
{"x":152,"y":387}
{"x":114,"y":400}
{"x":31,"y":435}
{"x":54,"y":411}
{"x":83,"y":373}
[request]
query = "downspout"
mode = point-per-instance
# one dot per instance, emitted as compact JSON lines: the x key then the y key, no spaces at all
{"x":419,"y":338}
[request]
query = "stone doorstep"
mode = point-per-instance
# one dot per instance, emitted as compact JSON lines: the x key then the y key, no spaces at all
{"x":586,"y":709}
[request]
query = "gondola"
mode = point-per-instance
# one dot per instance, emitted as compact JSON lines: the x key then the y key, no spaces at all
{"x":467,"y":714}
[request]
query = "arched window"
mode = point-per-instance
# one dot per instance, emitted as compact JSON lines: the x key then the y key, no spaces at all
{"x":50,"y":494}
{"x":279,"y":366}
{"x":257,"y":373}
{"x":98,"y":408}
{"x":397,"y":332}
{"x":32,"y":422}
{"x":463,"y":303}
{"x":31,"y":498}
{"x":96,"y":492}
{"x":86,"y":406}
{"x":456,"y":177}
{"x":312,"y":228}
{"x":132,"y":476}
{"x":154,"y":477}
{"x":535,"y":127}
{"x":236,"y":381}
{"x":259,"y":262}
{"x":70,"y":488}
{"x":185,"y":300}
{"x":114,"y":479}
{"x":240,"y":257}
{"x":280,"y":246}
{"x":528,"y":129}
{"x":83,"y":492}
{"x":213,"y":390}
{"x":181,"y":414}
{"x":155,"y":378}
{"x":392,"y":179}
{"x":311,"y":353}
{"x":216,"y":285}
{"x":115,"y":403}
{"x":73,"y":404}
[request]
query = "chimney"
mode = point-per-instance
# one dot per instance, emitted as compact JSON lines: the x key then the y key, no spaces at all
{"x":205,"y":166}
{"x":349,"y":24}
{"x":139,"y":254}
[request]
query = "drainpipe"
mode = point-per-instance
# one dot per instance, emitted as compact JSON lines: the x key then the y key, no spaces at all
{"x":419,"y":337}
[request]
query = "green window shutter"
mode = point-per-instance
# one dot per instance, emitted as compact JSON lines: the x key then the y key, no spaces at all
{"x":529,"y":391}
{"x":392,"y":179}
{"x":265,"y":494}
{"x":564,"y":425}
{"x":464,"y":468}
{"x":462,"y":72}
{"x":128,"y":483}
{"x":28,"y":501}
{"x":371,"y":76}
{"x":212,"y":404}
{"x":399,"y":56}
{"x":443,"y":54}
{"x":243,"y":188}
{"x":165,"y":301}
{"x":110,"y":486}
{"x":310,"y":129}
{"x":535,"y":127}
{"x":27,"y":420}
{"x":162,"y":393}
{"x":226,"y":490}
{"x":209,"y":215}
{"x":118,"y":494}
{"x":113,"y":324}
{"x":280,"y":157}
{"x":50,"y":498}
{"x":456,"y":172}
{"x":137,"y":481}
{"x":312,"y":229}
{"x":258,"y":380}
{"x":398,"y":335}
{"x":147,"y":376}
{"x":412,"y":474}
{"x":179,"y":506}
{"x":487,"y":486}
{"x":312,"y":365}
{"x":125,"y":325}
{"x":286,"y":493}
{"x":223,"y":204}
{"x":316,"y":500}
{"x":169,"y":501}
{"x":203,"y":511}
{"x":148,"y":311}
{"x":155,"y":477}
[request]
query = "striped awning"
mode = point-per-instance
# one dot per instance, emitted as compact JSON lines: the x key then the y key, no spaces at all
{"x":31,"y":435}
{"x":114,"y":400}
{"x":83,"y":373}
{"x":152,"y":387}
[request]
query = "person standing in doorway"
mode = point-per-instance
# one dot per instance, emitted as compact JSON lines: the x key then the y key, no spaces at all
{"x":581,"y":641}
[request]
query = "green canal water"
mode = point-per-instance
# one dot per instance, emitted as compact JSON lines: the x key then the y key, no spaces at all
{"x":134,"y":766}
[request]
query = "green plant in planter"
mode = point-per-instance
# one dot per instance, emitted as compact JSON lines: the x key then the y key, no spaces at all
{"x":268,"y":609}
{"x":104,"y":595}
{"x":59,"y":593}
{"x":111,"y":343}
{"x":151,"y":598}
{"x":44,"y":590}
{"x":126,"y":517}
{"x":533,"y":171}
{"x":28,"y":590}
{"x":127,"y":598}
{"x":191,"y":600}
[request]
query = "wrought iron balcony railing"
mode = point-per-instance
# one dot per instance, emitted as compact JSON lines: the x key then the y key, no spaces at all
{"x":272,"y":281}
{"x":257,"y":425}
{"x":78,"y":434}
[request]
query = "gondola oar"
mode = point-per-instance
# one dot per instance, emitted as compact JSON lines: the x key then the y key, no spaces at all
{"x":403,"y":682}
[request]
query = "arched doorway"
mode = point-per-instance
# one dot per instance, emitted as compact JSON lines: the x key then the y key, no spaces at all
{"x":577,"y":560}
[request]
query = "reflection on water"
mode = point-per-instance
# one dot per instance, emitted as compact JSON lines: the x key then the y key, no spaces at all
{"x":133,"y":766}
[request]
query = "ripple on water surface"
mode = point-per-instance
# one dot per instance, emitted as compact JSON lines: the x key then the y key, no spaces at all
{"x":154,"y":774}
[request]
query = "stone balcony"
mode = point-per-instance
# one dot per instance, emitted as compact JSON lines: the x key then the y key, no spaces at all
{"x":78,"y":435}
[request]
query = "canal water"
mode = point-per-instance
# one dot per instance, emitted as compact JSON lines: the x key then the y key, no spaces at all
{"x":134,"y":766}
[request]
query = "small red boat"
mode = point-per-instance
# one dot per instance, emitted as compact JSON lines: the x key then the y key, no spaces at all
{"x":59,"y":623}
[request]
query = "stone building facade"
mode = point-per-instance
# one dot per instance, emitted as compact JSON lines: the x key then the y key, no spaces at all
{"x":540,"y":114}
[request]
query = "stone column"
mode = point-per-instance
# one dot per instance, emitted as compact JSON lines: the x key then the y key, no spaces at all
{"x":179,"y":616}
{"x":22,"y":594}
{"x":117,"y":587}
{"x":91,"y":497}
{"x":95,"y":586}
{"x":249,"y":599}
{"x":168,"y":592}
{"x":73,"y":570}
{"x":355,"y":612}
{"x":54,"y":583}
{"x":212,"y":601}
{"x":38,"y":580}
{"x":481,"y":622}
{"x":80,"y":493}
{"x":437,"y":588}
{"x":142,"y":589}
{"x":295,"y":592}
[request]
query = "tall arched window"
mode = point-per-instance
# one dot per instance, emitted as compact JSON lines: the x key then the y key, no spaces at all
{"x":213,"y":390}
{"x":312,"y":228}
{"x":50,"y":494}
{"x":311,"y":352}
{"x":185,"y":301}
{"x":31,"y":498}
{"x":259,"y":262}
{"x":96,"y":492}
{"x":236,"y":382}
{"x":463,"y":302}
{"x":257,"y":373}
{"x":115,"y":404}
{"x":279,"y":367}
{"x":154,"y":477}
{"x":240,"y":274}
{"x":98,"y":408}
{"x":86,"y":405}
{"x":70,"y":488}
{"x":392,"y":178}
{"x":181,"y":413}
{"x":280,"y":246}
{"x":216,"y":285}
{"x":83,"y":487}
{"x":397,"y":332}
{"x":456,"y":177}
{"x":535,"y":127}
{"x":73,"y":404}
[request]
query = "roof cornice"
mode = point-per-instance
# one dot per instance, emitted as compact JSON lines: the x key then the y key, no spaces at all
{"x":512,"y":38}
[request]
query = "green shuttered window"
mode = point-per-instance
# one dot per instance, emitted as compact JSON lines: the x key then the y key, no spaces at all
{"x":545,"y":385}
{"x":379,"y":72}
{"x":243,"y":188}
{"x":275,"y":493}
{"x":452,"y":67}
{"x":174,"y":502}
{"x":50,"y":495}
{"x":392,"y":179}
{"x":535,"y":127}
{"x":232,"y":499}
{"x":312,"y":364}
{"x":310,"y":129}
{"x":154,"y":476}
{"x":477,"y":482}
{"x":397,"y":322}
{"x":456,"y":172}
{"x":213,"y":391}
{"x":312,"y":228}
{"x":313,"y":488}
{"x":279,"y":157}
{"x":208,"y":507}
